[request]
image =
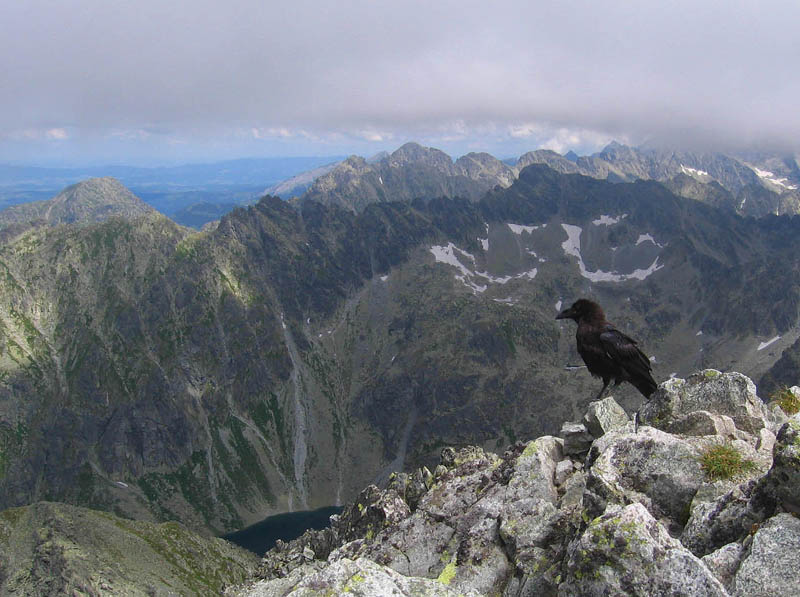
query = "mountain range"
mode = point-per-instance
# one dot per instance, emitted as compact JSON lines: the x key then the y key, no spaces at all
{"x":296,"y":351}
{"x":751,"y":185}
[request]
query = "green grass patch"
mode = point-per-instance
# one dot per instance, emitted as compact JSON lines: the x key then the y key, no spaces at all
{"x":724,"y":461}
{"x":787,"y":400}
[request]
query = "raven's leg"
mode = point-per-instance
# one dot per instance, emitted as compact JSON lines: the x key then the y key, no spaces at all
{"x":606,"y":381}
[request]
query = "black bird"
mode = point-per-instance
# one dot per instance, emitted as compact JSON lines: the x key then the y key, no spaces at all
{"x":607,"y":352}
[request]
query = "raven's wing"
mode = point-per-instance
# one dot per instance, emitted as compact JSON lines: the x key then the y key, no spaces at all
{"x":623,"y":351}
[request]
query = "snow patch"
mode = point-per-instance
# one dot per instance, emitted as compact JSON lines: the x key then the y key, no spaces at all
{"x":770,"y":177}
{"x":643,"y":238}
{"x":380,"y":178}
{"x":519,"y":229}
{"x":693,"y":171}
{"x":384,"y":278}
{"x":608,"y":220}
{"x":121,"y":484}
{"x":484,"y":243}
{"x":450,"y":255}
{"x":558,"y":305}
{"x":506,"y":301}
{"x":572,"y":246}
{"x":763,"y":345}
{"x":700,"y":333}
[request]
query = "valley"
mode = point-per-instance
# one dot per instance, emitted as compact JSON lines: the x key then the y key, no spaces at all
{"x":296,"y":351}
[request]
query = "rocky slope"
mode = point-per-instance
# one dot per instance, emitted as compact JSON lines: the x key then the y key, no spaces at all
{"x":55,"y":549}
{"x":289,"y":356}
{"x":411,"y":172}
{"x":753,"y":184}
{"x":603,"y":509}
{"x":93,"y":200}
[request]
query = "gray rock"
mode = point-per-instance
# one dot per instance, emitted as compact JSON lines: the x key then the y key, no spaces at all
{"x":563,"y":470}
{"x":702,"y":422}
{"x":603,"y":416}
{"x":360,"y":578}
{"x":771,"y":564}
{"x":724,"y":562}
{"x":731,"y":394}
{"x":727,"y":519}
{"x":627,"y":552}
{"x":659,"y":470}
{"x":766,"y":441}
{"x":577,"y":439}
{"x":785,"y":473}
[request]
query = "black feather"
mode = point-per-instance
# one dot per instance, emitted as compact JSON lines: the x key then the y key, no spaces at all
{"x":607,"y":352}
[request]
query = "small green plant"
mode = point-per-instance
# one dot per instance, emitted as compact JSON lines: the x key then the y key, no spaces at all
{"x":724,"y":461}
{"x":787,"y":400}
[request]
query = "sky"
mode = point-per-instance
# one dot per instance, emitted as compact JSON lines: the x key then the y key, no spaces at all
{"x":154,"y":81}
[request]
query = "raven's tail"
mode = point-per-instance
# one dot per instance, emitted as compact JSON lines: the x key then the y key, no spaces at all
{"x":644,"y":382}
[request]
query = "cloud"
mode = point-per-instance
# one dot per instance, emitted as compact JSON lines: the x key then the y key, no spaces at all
{"x":693,"y":72}
{"x":56,"y":134}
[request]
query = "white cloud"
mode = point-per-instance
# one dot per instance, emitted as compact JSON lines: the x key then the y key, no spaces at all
{"x":560,"y":75}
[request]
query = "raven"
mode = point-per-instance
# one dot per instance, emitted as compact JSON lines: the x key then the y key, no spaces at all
{"x":607,"y":352}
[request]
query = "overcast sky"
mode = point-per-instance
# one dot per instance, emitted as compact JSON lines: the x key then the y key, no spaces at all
{"x":176,"y":80}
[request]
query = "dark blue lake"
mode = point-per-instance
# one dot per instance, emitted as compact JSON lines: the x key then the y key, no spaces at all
{"x":262,"y":536}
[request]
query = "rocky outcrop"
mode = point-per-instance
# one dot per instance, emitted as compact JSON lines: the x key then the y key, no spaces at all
{"x":628,"y":513}
{"x":57,"y":549}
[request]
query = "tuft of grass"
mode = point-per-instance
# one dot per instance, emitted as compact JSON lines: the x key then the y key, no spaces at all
{"x":724,"y":461}
{"x":787,"y":400}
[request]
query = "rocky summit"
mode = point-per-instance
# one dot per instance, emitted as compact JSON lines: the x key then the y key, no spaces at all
{"x":700,"y":500}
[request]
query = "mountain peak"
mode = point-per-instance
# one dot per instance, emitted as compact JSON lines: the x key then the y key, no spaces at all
{"x":91,"y":200}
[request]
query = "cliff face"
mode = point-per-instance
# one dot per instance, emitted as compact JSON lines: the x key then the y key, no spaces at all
{"x":605,"y":509}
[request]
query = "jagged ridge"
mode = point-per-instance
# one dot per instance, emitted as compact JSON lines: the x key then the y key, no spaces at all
{"x":602,"y":510}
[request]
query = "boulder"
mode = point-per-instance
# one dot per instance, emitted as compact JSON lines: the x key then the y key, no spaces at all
{"x":702,"y":422}
{"x":771,"y":563}
{"x":577,"y":439}
{"x":724,"y":562}
{"x":627,"y":552}
{"x":659,"y":470}
{"x":727,"y":519}
{"x":730,"y":394}
{"x":785,"y":473}
{"x":603,"y":416}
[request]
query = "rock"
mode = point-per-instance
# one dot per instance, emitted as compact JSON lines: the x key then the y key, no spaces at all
{"x":603,"y":416}
{"x":702,"y":422}
{"x":724,"y":562}
{"x":412,"y":487}
{"x":360,"y":578}
{"x":372,"y":511}
{"x":659,"y":470}
{"x":563,"y":470}
{"x":627,"y":552}
{"x":533,"y":529}
{"x":771,"y":563}
{"x":731,"y":394}
{"x":577,"y":439}
{"x":766,"y":441}
{"x":785,"y":473}
{"x":727,"y":519}
{"x":633,"y":517}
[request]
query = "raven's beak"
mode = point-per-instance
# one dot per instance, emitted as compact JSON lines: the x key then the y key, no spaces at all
{"x":565,"y":314}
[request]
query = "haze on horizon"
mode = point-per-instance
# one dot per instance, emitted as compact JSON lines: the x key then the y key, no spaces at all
{"x":90,"y":81}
